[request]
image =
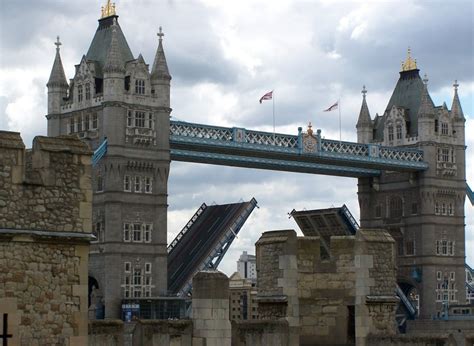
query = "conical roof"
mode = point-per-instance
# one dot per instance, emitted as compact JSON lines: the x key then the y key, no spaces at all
{"x":102,"y":40}
{"x":426,"y":103}
{"x":364,"y":114}
{"x":456,"y":109}
{"x":114,"y":61}
{"x":57,"y":76}
{"x":160,"y":67}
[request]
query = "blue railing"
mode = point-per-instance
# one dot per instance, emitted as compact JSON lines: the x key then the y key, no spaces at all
{"x":99,"y":152}
{"x":469,"y":193}
{"x":190,"y":134}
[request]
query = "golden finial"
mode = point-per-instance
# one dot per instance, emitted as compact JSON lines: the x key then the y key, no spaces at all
{"x":310,"y":129}
{"x":108,"y":10}
{"x":410,"y":63}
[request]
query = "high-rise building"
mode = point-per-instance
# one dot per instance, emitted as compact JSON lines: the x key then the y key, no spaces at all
{"x":246,"y":266}
{"x":243,"y":298}
{"x":114,"y":96}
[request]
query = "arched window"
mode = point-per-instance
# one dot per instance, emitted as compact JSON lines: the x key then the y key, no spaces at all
{"x":79,"y":93}
{"x":390,"y":133}
{"x":399,"y":131}
{"x":396,"y":207}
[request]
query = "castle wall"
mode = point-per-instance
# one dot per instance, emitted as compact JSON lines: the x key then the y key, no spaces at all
{"x":328,"y":301}
{"x":45,"y":225}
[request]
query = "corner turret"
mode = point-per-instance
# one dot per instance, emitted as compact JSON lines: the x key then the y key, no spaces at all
{"x":160,"y":76}
{"x":426,"y":114}
{"x":114,"y":67}
{"x":364,"y":123}
{"x":458,"y":117}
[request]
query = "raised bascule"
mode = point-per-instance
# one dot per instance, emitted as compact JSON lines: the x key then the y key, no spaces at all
{"x":409,"y":161}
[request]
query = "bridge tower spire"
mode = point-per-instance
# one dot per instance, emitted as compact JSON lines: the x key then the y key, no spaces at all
{"x":364,"y":123}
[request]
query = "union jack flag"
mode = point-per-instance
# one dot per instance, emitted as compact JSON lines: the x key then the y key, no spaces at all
{"x":267,"y":96}
{"x":333,"y":107}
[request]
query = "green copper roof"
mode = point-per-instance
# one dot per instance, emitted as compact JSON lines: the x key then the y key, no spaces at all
{"x":101,"y":42}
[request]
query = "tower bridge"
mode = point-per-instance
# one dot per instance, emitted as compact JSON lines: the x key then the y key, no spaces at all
{"x":409,"y":161}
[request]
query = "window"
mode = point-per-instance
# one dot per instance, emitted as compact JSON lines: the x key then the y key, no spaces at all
{"x":71,"y":125}
{"x":88,"y":91}
{"x":147,"y":233}
{"x":137,"y":276}
{"x":129,"y":119}
{"x":396,"y":207}
{"x":147,"y":268}
{"x":137,"y":232}
{"x":126,"y":232}
{"x":97,"y":231}
{"x":138,"y":184}
{"x":438,"y":275}
{"x":443,"y":208}
{"x":127,"y":184}
{"x":150,"y":121}
{"x":452,"y":276}
{"x":79,"y":93}
{"x":390,"y":133}
{"x":148,"y":278}
{"x":437,"y":208}
{"x":445,"y":248}
{"x":410,"y":247}
{"x":127,"y":267}
{"x":399,"y":131}
{"x":445,"y":155}
{"x":436,"y":125}
{"x":140,"y":86}
{"x":140,"y":119}
{"x":147,"y":185}
{"x":378,"y":210}
{"x":87,"y":123}
{"x":100,"y":182}
{"x":450,"y":209}
{"x":444,"y":128}
{"x":94,"y":121}
{"x":79,"y":123}
{"x":414,"y":208}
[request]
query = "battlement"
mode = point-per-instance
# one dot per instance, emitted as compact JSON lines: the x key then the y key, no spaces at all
{"x":46,"y":188}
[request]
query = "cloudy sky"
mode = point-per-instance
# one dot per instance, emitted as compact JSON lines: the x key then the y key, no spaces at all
{"x":224,"y":55}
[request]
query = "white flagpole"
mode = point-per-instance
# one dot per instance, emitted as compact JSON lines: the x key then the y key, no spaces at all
{"x":340,"y":129}
{"x":273,"y":101}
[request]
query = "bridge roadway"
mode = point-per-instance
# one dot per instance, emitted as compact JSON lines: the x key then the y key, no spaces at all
{"x":189,"y":254}
{"x":254,"y":149}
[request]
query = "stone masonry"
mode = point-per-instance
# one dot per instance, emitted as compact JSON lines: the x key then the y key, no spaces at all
{"x":45,"y":229}
{"x":328,"y":301}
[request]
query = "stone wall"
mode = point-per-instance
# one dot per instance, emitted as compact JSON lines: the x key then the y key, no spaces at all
{"x":106,"y":333}
{"x":163,"y":332}
{"x":260,"y":333}
{"x":328,"y":301}
{"x":45,"y":224}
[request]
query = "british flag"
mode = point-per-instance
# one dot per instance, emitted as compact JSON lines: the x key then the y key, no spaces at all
{"x":267,"y":96}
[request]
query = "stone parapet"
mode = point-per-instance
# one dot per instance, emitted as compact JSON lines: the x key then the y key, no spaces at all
{"x":163,"y":332}
{"x":106,"y":332}
{"x":260,"y":333}
{"x":45,"y":229}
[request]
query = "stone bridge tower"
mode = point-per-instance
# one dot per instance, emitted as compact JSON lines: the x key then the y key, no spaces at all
{"x":424,"y":211}
{"x":113,"y":95}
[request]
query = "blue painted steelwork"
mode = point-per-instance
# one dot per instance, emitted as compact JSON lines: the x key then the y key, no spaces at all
{"x":470,"y":193}
{"x":99,"y":152}
{"x":246,"y":145}
{"x":217,"y":253}
{"x":187,"y":227}
{"x":406,"y":302}
{"x":351,"y":221}
{"x":269,"y":163}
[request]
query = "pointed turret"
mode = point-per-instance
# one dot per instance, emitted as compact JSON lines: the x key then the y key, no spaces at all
{"x":160,"y":67}
{"x":364,"y":123}
{"x":160,"y":76}
{"x":456,"y":109}
{"x":426,"y":103}
{"x":114,"y":62}
{"x":57,"y":77}
{"x":426,"y":115}
{"x":57,"y":86}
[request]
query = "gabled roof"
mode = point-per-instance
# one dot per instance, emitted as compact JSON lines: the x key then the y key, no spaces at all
{"x":102,"y":39}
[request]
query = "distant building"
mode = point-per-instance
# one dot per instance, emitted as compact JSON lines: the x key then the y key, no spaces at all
{"x":242,"y":297}
{"x":246,"y":266}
